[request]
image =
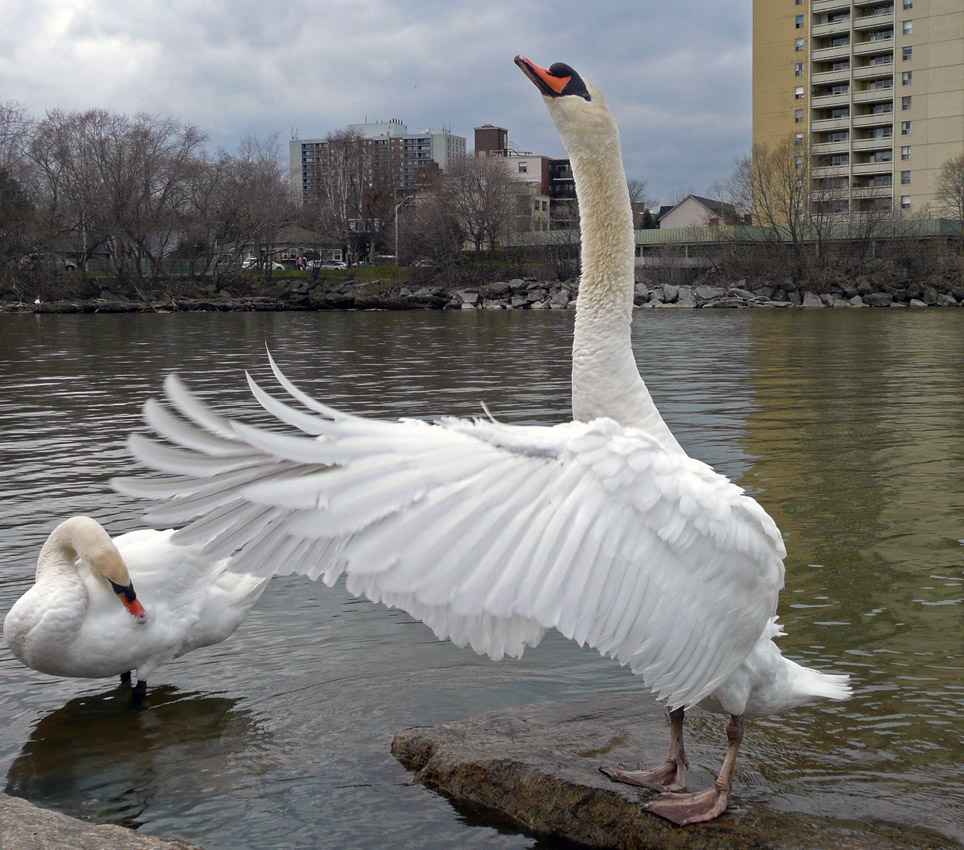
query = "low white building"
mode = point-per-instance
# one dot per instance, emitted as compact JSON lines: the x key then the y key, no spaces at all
{"x":694,"y":211}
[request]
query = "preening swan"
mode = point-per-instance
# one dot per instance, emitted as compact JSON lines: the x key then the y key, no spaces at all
{"x":73,"y":621}
{"x":602,"y":528}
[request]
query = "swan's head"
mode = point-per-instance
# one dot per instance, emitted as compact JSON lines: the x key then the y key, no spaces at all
{"x":85,"y":537}
{"x":106,"y":560}
{"x":576,"y":106}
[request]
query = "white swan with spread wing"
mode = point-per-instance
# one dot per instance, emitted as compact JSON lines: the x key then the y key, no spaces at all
{"x":73,"y":622}
{"x":602,"y":528}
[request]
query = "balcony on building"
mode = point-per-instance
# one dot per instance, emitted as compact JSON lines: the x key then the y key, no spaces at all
{"x":821,"y":6}
{"x":876,"y":67}
{"x":879,"y":89}
{"x":824,"y":171}
{"x":828,"y":73}
{"x":872,"y":169}
{"x":875,"y":41}
{"x":830,"y":143}
{"x":834,"y":23}
{"x":828,"y":49}
{"x":874,"y":16}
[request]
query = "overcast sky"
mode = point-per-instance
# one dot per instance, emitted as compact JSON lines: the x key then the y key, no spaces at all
{"x":676,"y":73}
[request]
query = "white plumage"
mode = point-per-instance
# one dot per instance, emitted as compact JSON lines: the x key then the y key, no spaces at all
{"x":71,"y":622}
{"x":602,"y":528}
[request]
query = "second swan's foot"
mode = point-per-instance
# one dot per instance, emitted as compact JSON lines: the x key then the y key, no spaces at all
{"x":683,"y":809}
{"x":668,"y":777}
{"x":138,"y":691}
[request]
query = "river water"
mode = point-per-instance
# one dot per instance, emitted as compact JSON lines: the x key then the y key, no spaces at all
{"x":848,"y":426}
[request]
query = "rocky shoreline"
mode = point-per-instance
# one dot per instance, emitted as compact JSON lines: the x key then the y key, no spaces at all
{"x":518,"y":294}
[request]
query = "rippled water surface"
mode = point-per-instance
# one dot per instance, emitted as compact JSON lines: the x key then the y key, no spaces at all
{"x":848,"y":426}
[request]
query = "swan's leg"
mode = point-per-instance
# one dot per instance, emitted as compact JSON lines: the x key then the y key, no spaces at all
{"x":683,"y":809}
{"x":125,"y":678}
{"x":138,"y":691}
{"x":672,"y":775}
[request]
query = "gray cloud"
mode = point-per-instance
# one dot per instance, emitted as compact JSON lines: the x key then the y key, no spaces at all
{"x":676,"y":72}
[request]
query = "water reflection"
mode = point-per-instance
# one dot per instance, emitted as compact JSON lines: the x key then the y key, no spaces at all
{"x":99,"y":758}
{"x":846,"y":425}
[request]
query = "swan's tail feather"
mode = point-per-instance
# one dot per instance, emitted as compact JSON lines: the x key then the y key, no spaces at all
{"x":816,"y":685}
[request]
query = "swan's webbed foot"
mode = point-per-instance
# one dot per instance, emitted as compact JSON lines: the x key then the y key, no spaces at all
{"x":668,"y":777}
{"x":671,"y":776}
{"x":138,"y":692}
{"x":683,"y":809}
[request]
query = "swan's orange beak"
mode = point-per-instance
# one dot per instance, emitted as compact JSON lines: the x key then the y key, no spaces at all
{"x":545,"y":81}
{"x":129,"y":600}
{"x":135,"y":608}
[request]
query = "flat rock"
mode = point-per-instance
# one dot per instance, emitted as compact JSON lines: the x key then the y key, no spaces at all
{"x":537,"y":768}
{"x":24,"y":826}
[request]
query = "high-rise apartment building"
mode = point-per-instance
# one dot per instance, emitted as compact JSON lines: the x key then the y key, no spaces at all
{"x":872,"y":89}
{"x":392,"y":155}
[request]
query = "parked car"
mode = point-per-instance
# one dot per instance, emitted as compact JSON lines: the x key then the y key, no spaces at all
{"x":38,"y":260}
{"x":326,"y":264}
{"x":254,"y":262}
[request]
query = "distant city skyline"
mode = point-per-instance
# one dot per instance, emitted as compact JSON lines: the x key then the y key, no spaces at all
{"x":677,"y":75}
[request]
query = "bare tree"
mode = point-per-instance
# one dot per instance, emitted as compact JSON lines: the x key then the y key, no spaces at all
{"x":480,"y":194}
{"x":346,"y":173}
{"x":949,"y":189}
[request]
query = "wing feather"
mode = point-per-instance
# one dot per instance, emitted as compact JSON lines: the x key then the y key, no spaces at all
{"x":489,"y":533}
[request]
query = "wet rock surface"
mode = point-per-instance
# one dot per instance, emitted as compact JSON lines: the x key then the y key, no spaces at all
{"x":536,"y":768}
{"x":24,"y":826}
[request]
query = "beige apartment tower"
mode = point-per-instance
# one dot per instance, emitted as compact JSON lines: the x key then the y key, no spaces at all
{"x":873,"y":88}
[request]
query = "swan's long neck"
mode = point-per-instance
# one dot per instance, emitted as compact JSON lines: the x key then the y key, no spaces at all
{"x":605,"y":378}
{"x":80,"y":537}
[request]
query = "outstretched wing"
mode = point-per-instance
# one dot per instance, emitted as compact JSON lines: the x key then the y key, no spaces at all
{"x":489,"y":533}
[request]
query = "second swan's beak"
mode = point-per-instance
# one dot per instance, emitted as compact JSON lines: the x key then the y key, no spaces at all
{"x":129,"y":599}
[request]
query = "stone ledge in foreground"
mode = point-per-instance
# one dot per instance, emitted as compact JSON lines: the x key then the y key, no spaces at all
{"x":24,"y":826}
{"x":536,"y":767}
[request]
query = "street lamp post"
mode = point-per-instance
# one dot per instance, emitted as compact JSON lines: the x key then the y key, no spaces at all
{"x":398,"y":206}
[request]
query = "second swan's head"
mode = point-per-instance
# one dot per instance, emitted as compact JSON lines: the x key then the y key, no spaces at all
{"x":576,"y":106}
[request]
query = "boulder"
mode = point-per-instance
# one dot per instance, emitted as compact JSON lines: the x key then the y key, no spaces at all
{"x":670,"y":293}
{"x":467,"y":297}
{"x":946,"y":300}
{"x":916,"y":302}
{"x":707,"y":293}
{"x":811,"y":299}
{"x":878,"y":299}
{"x":27,"y":827}
{"x":537,"y":767}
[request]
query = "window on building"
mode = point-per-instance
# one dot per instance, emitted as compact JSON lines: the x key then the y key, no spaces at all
{"x":904,"y":201}
{"x":798,"y":2}
{"x":798,"y":93}
{"x":798,"y":22}
{"x":798,"y":162}
{"x":798,"y":139}
{"x":905,"y":152}
{"x":905,"y":178}
{"x":907,"y":53}
{"x":798,"y":69}
{"x":798,"y":116}
{"x":905,"y":102}
{"x":905,"y":128}
{"x":523,"y":167}
{"x":798,"y":45}
{"x":908,"y":27}
{"x":906,"y":78}
{"x":908,"y":4}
